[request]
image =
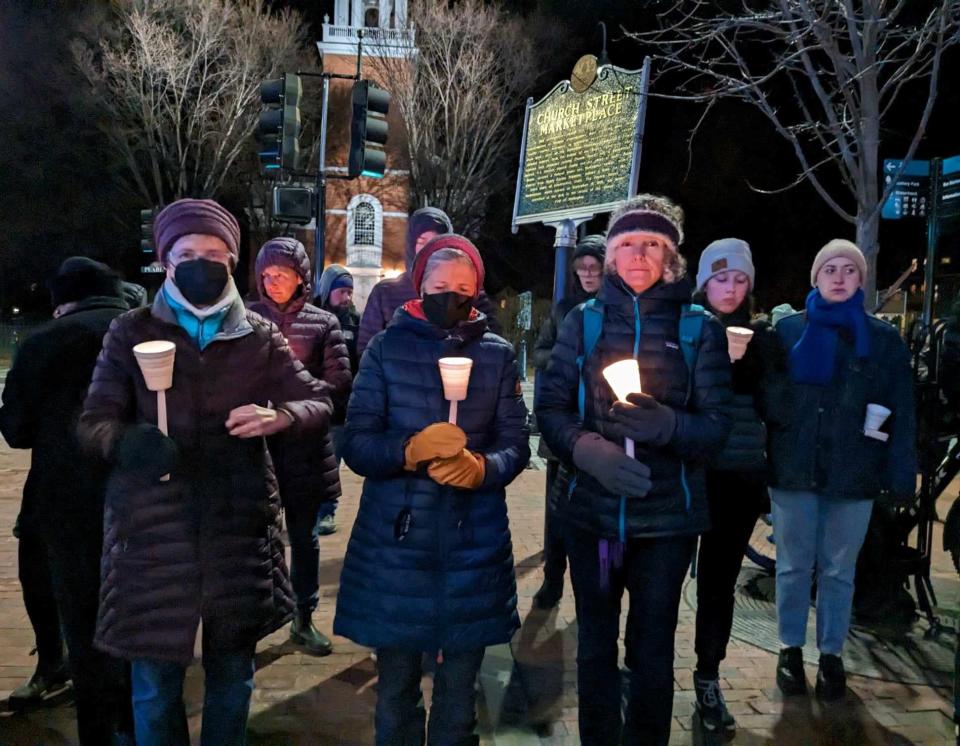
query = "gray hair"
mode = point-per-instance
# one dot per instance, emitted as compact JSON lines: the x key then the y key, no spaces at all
{"x":674,"y":263}
{"x":442,"y":256}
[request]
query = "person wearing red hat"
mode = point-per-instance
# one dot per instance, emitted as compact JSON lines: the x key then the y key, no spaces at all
{"x":203,"y":543}
{"x":429,"y":565}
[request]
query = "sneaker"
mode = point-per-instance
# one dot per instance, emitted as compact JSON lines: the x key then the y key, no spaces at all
{"x":549,"y":594}
{"x":327,"y":525}
{"x":303,"y":633}
{"x":790,"y":675}
{"x":40,"y":687}
{"x":714,"y":715}
{"x":831,"y":678}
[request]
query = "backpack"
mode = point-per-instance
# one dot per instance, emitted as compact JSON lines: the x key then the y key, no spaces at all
{"x":691,"y":325}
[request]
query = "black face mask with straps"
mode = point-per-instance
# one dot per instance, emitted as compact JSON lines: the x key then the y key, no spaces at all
{"x":447,"y":309}
{"x":201,"y":281}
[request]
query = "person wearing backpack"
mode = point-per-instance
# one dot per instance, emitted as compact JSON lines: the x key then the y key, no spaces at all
{"x":736,"y":477}
{"x":631,"y":523}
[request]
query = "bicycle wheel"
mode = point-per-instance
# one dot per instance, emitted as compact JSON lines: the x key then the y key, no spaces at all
{"x":761,"y":549}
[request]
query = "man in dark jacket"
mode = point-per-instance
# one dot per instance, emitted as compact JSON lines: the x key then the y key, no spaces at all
{"x":631,"y":522}
{"x":305,"y":465}
{"x":335,"y":295}
{"x":389,"y":294}
{"x":192,"y":523}
{"x":62,"y":512}
{"x":587,"y":266}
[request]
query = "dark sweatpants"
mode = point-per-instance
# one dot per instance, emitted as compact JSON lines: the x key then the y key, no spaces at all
{"x":652,"y":573}
{"x":735,"y":504}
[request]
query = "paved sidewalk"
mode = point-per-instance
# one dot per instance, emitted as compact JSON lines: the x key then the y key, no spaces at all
{"x":528,"y":689}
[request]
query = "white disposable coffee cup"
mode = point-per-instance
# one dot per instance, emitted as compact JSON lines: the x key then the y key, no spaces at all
{"x":156,"y":363}
{"x":738,"y":337}
{"x":876,"y":415}
{"x":455,"y":374}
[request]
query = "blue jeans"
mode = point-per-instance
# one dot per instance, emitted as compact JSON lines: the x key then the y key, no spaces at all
{"x":812,"y":531}
{"x":302,"y":529}
{"x":652,"y":573}
{"x":158,"y":712}
{"x":400,"y":713}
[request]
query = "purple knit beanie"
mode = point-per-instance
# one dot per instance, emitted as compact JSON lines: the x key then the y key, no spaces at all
{"x":187,"y":216}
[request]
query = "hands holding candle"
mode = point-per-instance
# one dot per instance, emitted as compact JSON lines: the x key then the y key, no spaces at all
{"x":638,"y":417}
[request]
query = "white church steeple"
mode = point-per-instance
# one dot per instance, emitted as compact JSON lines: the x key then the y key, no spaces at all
{"x":384,"y":25}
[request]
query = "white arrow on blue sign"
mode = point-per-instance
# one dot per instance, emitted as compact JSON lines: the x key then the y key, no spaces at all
{"x":909,"y":197}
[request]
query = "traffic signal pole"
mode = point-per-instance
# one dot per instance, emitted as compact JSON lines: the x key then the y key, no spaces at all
{"x":320,"y":228}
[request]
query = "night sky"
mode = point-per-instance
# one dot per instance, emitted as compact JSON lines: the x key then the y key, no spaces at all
{"x":60,"y":197}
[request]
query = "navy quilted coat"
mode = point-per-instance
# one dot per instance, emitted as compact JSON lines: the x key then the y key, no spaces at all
{"x":305,"y":464}
{"x":448,"y":584}
{"x":205,"y":544}
{"x":649,"y":322}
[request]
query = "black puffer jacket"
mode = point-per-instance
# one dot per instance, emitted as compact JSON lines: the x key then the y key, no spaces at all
{"x":745,"y":450}
{"x":305,"y":464}
{"x":676,"y":505}
{"x":205,"y":544}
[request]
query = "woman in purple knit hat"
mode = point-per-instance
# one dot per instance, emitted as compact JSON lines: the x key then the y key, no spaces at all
{"x":192,"y":519}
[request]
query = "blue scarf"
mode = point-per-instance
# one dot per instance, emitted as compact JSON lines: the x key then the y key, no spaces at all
{"x":813,"y":357}
{"x":201,"y":328}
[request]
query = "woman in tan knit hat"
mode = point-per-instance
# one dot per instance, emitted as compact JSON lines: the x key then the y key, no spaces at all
{"x":828,"y":464}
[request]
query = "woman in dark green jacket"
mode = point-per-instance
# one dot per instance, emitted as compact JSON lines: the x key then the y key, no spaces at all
{"x":828,"y":463}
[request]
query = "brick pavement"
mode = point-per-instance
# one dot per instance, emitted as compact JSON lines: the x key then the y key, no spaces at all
{"x":528,"y":694}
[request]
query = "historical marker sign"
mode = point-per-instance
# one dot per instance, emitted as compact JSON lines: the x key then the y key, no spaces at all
{"x":581,"y":151}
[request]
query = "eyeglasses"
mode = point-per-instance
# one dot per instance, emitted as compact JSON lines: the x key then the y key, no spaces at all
{"x":588,"y":272}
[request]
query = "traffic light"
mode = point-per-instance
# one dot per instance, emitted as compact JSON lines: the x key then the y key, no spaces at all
{"x":368,"y":131}
{"x":279,"y":127}
{"x":146,"y":230}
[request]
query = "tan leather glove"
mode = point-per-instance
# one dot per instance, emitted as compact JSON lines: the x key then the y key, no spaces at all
{"x":439,"y":440}
{"x":465,"y":470}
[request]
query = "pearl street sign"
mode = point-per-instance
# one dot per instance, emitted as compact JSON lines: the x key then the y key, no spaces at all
{"x":581,"y":150}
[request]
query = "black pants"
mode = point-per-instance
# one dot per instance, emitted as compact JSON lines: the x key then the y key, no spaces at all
{"x":400,"y":715}
{"x":652,"y":573}
{"x":37,"y":587}
{"x":100,"y":682}
{"x":735,"y":504}
{"x":554,"y":552}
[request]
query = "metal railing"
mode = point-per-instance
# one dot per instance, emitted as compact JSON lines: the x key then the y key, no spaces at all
{"x":371,"y":35}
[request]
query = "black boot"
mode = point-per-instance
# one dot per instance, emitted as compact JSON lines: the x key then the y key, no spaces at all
{"x":303,"y":633}
{"x":41,"y":686}
{"x":550,"y":593}
{"x":714,"y":714}
{"x":831,"y":678}
{"x":790,"y":675}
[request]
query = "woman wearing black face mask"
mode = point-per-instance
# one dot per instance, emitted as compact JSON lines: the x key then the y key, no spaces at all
{"x":429,"y":567}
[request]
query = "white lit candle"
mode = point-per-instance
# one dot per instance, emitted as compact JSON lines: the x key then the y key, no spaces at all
{"x":624,"y":379}
{"x":156,"y":363}
{"x":455,"y":375}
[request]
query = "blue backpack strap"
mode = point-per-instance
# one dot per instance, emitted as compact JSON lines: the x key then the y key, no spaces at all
{"x":691,"y":326}
{"x":592,"y":324}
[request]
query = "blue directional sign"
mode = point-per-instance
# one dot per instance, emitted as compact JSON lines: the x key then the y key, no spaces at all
{"x":950,"y":188}
{"x":909,"y":197}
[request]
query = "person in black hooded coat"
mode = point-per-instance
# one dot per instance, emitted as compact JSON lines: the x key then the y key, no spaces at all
{"x":390,"y":294}
{"x":62,"y":509}
{"x":305,"y":465}
{"x":587,"y":273}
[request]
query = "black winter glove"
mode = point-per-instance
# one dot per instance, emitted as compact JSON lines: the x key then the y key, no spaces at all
{"x":144,"y":450}
{"x":644,"y":420}
{"x":611,"y":466}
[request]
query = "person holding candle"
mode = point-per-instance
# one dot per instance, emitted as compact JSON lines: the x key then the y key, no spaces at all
{"x":391,"y":293}
{"x":828,"y":465}
{"x":307,"y":470}
{"x":429,"y":565}
{"x":631,"y":523}
{"x":203,"y":545}
{"x":736,"y":477}
{"x":587,"y":276}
